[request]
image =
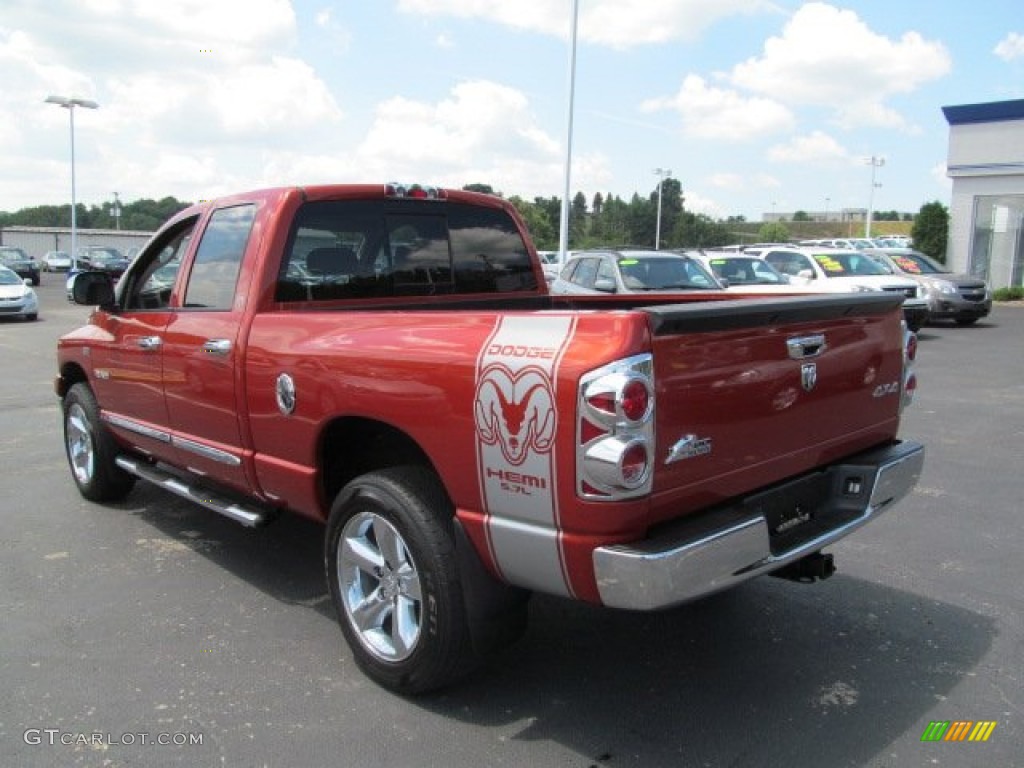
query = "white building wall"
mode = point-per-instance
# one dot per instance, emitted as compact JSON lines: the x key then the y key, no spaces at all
{"x":961,"y":212}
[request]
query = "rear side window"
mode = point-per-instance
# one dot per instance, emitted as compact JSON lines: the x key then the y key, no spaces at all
{"x":347,"y":249}
{"x":211,"y":283}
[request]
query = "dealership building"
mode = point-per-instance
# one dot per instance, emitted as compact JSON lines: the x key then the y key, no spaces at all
{"x":986,"y":164}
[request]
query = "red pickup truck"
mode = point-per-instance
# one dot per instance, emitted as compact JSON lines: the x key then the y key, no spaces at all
{"x":387,"y":360}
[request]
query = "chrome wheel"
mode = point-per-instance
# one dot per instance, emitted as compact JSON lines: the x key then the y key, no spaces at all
{"x":81,"y":450}
{"x":380,"y":587}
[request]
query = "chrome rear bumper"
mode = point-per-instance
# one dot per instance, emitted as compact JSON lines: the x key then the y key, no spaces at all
{"x":722,"y":548}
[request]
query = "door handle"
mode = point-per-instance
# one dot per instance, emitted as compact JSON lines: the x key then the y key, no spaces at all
{"x":150,"y":342}
{"x":217,"y":346}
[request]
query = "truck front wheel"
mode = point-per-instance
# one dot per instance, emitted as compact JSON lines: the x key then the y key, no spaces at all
{"x":91,"y":450}
{"x":393,"y":576}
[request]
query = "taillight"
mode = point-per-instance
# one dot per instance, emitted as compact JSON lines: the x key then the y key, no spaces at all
{"x":415,"y":191}
{"x":909,"y":377}
{"x":635,"y":464}
{"x":615,"y":430}
{"x":912,"y":347}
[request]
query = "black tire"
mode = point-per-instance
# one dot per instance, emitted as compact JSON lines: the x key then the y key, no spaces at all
{"x":91,"y":449}
{"x":394,"y":579}
{"x":965,"y":320}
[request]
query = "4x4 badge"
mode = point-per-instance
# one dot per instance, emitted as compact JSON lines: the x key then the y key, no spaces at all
{"x":808,"y":376}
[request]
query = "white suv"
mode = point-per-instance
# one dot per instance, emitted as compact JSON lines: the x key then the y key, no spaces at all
{"x":845,"y":270}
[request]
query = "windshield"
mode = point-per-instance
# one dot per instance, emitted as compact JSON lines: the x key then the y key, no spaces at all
{"x":7,"y":277}
{"x":846,"y":264}
{"x":916,"y":264}
{"x":746,"y":271}
{"x":656,"y":273}
{"x":105,"y":255}
{"x":13,"y":254}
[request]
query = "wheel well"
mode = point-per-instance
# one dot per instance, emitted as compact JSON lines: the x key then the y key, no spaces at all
{"x":70,"y":374}
{"x":354,"y":446}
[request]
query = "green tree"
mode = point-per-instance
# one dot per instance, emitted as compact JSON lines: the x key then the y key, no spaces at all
{"x":930,"y":232}
{"x":486,"y":189}
{"x":543,"y":231}
{"x":698,"y":230}
{"x":773,"y":232}
{"x":801,"y":216}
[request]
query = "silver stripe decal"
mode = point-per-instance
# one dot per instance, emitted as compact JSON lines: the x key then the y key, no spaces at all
{"x":206,"y":451}
{"x":516,"y":420}
{"x":139,"y":429}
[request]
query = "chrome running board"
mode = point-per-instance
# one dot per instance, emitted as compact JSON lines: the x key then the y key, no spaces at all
{"x":249,"y":516}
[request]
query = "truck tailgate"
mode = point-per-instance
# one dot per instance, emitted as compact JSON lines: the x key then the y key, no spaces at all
{"x":752,"y":392}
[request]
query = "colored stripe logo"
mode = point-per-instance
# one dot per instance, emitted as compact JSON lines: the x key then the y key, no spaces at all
{"x":958,"y":730}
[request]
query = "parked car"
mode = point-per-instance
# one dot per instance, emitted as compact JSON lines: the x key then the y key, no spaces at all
{"x":844,"y":270}
{"x":17,"y":299}
{"x":56,"y":261}
{"x":16,"y":260}
{"x":743,"y":273}
{"x":958,"y":297}
{"x":632,"y":271}
{"x":97,"y":258}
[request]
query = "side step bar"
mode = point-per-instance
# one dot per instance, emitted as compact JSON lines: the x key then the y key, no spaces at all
{"x":249,"y":516}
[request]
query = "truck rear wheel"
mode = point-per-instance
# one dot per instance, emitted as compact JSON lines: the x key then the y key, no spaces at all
{"x":394,"y":579}
{"x":91,"y":450}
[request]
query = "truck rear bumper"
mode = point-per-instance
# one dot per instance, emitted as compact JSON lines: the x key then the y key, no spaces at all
{"x":758,"y":534}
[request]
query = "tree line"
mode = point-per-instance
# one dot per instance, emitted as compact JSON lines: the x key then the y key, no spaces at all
{"x":604,"y":220}
{"x":144,"y":215}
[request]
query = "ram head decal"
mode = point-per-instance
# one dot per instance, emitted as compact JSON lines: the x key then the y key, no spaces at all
{"x":516,"y":411}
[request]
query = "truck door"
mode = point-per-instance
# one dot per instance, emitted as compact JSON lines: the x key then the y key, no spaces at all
{"x":128,"y":357}
{"x":201,"y":362}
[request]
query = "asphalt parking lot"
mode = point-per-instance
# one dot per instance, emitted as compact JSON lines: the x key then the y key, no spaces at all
{"x":153,"y":621}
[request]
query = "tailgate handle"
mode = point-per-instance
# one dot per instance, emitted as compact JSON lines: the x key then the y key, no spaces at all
{"x":806,"y":346}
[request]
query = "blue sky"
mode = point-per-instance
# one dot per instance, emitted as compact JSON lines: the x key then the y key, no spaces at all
{"x":753,"y":105}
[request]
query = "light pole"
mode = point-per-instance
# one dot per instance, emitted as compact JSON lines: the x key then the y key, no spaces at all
{"x":875,"y":163}
{"x":827,"y":201}
{"x":69,"y":104}
{"x":563,"y":227}
{"x":115,"y":212}
{"x":662,"y":174}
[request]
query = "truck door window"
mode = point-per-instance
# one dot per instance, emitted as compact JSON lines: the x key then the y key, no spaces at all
{"x":149,"y":283}
{"x":211,"y":284}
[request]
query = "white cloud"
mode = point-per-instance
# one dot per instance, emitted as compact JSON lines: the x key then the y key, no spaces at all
{"x":816,"y":147}
{"x":481,"y":131}
{"x":617,"y":23}
{"x":1010,"y":47}
{"x":715,"y":113}
{"x":829,"y":57}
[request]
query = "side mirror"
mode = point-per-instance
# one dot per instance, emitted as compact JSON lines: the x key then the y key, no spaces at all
{"x":605,"y":285}
{"x":723,"y":281}
{"x":806,"y":274}
{"x":92,"y":289}
{"x":27,"y":281}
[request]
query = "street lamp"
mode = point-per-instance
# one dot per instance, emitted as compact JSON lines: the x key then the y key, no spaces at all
{"x":827,"y":201}
{"x":115,"y":212}
{"x":563,"y":225}
{"x":875,"y":163}
{"x":69,"y":104}
{"x":662,"y":174}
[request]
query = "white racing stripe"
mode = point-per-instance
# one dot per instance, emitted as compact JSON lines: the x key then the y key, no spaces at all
{"x":516,"y":422}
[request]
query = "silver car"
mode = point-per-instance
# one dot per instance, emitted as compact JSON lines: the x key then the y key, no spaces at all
{"x":632,"y":271}
{"x":17,"y":299}
{"x":958,"y":297}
